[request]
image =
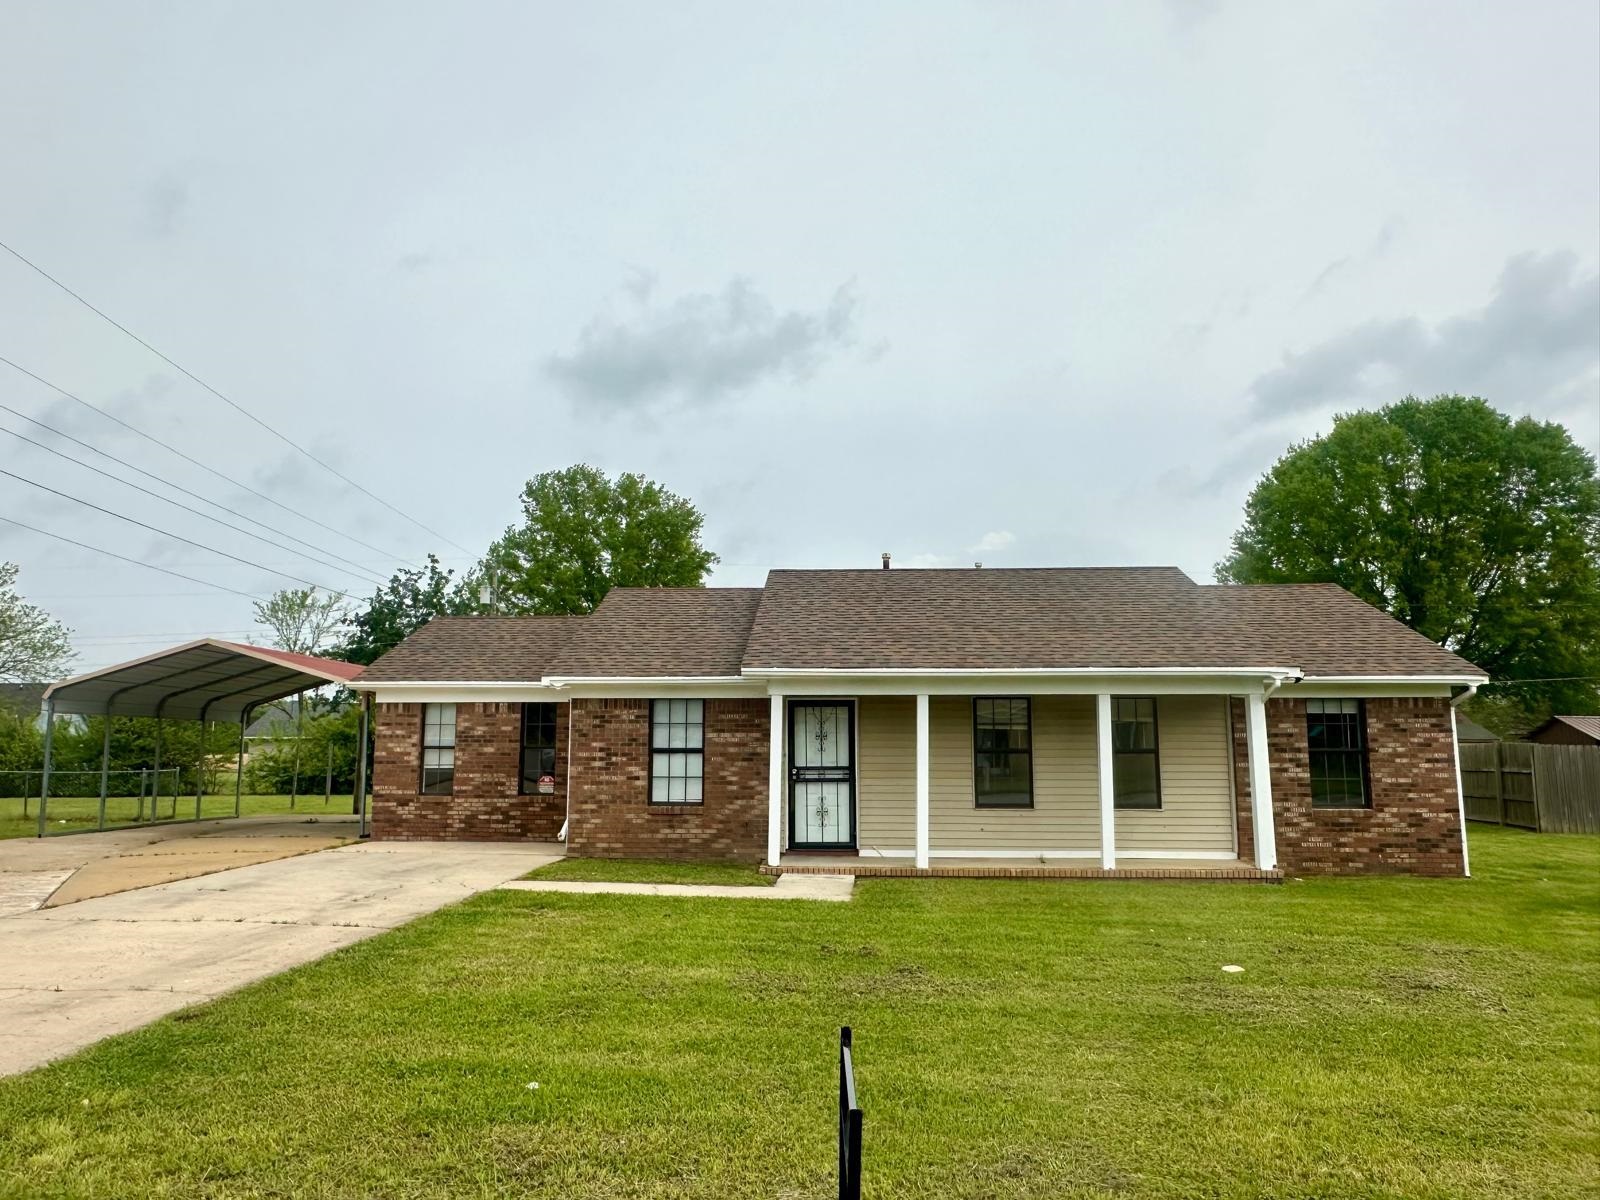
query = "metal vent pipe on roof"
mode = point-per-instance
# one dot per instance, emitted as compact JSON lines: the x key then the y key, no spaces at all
{"x":885,"y":560}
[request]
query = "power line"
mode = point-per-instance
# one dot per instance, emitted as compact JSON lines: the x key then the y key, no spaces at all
{"x":177,"y":504}
{"x":230,"y":403}
{"x":124,"y":558}
{"x":195,"y":461}
{"x":177,"y":537}
{"x":178,"y":487}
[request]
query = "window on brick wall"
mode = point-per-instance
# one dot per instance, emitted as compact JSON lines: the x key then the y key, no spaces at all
{"x":438,"y":749}
{"x":538,"y":744}
{"x":677,"y":751}
{"x":1336,"y":734}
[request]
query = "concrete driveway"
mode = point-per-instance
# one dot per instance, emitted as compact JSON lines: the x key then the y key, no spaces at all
{"x":73,"y":974}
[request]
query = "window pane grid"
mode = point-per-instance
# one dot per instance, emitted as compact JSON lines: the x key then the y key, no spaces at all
{"x":1002,"y":741}
{"x":438,"y":749}
{"x":1336,"y":740}
{"x":677,"y":751}
{"x":1135,"y":754}
{"x":538,"y":744}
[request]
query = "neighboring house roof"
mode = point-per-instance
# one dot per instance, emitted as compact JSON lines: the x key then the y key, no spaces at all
{"x":1324,"y":630}
{"x":640,"y":633}
{"x":1588,"y":726}
{"x":24,"y":699}
{"x":479,"y":649}
{"x":1468,"y":730}
{"x":276,"y":720}
{"x":1086,"y":618}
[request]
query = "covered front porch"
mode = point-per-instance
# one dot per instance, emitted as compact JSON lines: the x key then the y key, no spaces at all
{"x":1040,"y":778}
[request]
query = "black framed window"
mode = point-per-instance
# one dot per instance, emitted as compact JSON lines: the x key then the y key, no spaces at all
{"x":1002,"y":759}
{"x":438,"y":749}
{"x":1336,"y":734}
{"x":677,"y":751}
{"x":538,"y":744}
{"x":1135,"y":752}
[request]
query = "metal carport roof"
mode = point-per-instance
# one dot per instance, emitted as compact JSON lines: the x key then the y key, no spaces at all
{"x":207,"y":679}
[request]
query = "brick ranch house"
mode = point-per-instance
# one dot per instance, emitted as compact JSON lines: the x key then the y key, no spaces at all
{"x":1070,"y":721}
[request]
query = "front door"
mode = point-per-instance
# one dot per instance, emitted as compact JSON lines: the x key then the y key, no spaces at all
{"x":822,"y":778}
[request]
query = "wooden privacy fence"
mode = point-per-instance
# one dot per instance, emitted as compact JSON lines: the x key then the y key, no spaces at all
{"x":1553,"y":789}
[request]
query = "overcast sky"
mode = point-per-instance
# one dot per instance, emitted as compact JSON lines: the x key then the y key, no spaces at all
{"x":1036,"y":284}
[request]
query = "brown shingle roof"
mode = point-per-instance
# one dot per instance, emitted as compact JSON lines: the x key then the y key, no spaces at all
{"x":1083,"y":617}
{"x":1324,"y":630}
{"x":662,"y":632}
{"x":476,"y":649}
{"x":1009,"y":618}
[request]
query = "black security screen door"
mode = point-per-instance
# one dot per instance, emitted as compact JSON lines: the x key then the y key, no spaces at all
{"x":822,"y":782}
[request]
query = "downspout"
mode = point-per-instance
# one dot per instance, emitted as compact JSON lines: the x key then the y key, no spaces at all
{"x":1461,"y":799}
{"x":561,"y":834}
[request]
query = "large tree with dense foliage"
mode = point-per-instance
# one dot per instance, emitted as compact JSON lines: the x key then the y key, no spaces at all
{"x":583,"y":534}
{"x":412,"y":597}
{"x":34,"y":646}
{"x":1481,"y":532}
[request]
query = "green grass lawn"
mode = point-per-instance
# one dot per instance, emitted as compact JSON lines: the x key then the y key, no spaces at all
{"x":73,"y":813}
{"x":643,"y":870}
{"x":1387,"y":1038}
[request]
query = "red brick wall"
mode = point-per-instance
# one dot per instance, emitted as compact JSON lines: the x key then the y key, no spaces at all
{"x":1414,"y":823}
{"x":486,"y":804}
{"x":611,"y":816}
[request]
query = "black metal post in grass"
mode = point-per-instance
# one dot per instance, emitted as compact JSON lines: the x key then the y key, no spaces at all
{"x":849,"y":1123}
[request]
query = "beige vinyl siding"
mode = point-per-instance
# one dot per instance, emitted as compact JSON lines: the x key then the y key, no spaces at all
{"x":886,"y":773}
{"x":1065,"y":813}
{"x":1196,"y":800}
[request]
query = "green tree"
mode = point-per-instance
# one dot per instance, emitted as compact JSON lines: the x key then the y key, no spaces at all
{"x":583,"y":534}
{"x":1480,"y":532}
{"x":33,"y":645}
{"x":412,"y":597}
{"x":302,"y":620}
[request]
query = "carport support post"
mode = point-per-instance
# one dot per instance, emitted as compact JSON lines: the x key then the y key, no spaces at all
{"x":238,"y":775}
{"x":327,"y":780}
{"x":105,"y":764}
{"x":155,"y":786}
{"x":44,"y":776}
{"x":299,"y":732}
{"x":199,"y":769}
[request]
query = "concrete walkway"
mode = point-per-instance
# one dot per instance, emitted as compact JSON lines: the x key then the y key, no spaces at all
{"x":788,"y":887}
{"x":74,"y":974}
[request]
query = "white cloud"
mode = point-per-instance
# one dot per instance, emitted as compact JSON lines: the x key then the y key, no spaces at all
{"x":1532,"y":347}
{"x":993,"y":542}
{"x":701,"y":347}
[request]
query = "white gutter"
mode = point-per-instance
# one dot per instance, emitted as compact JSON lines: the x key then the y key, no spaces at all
{"x":1472,"y":681}
{"x":372,"y":685}
{"x":1461,"y":797}
{"x":1044,"y":672}
{"x":565,"y":681}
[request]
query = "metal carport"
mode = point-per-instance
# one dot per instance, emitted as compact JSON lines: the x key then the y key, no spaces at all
{"x":204,"y":680}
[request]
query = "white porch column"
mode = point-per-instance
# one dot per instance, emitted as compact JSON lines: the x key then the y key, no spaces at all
{"x":922,"y":781}
{"x":1108,"y":794}
{"x":1261,"y":826}
{"x":775,"y":784}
